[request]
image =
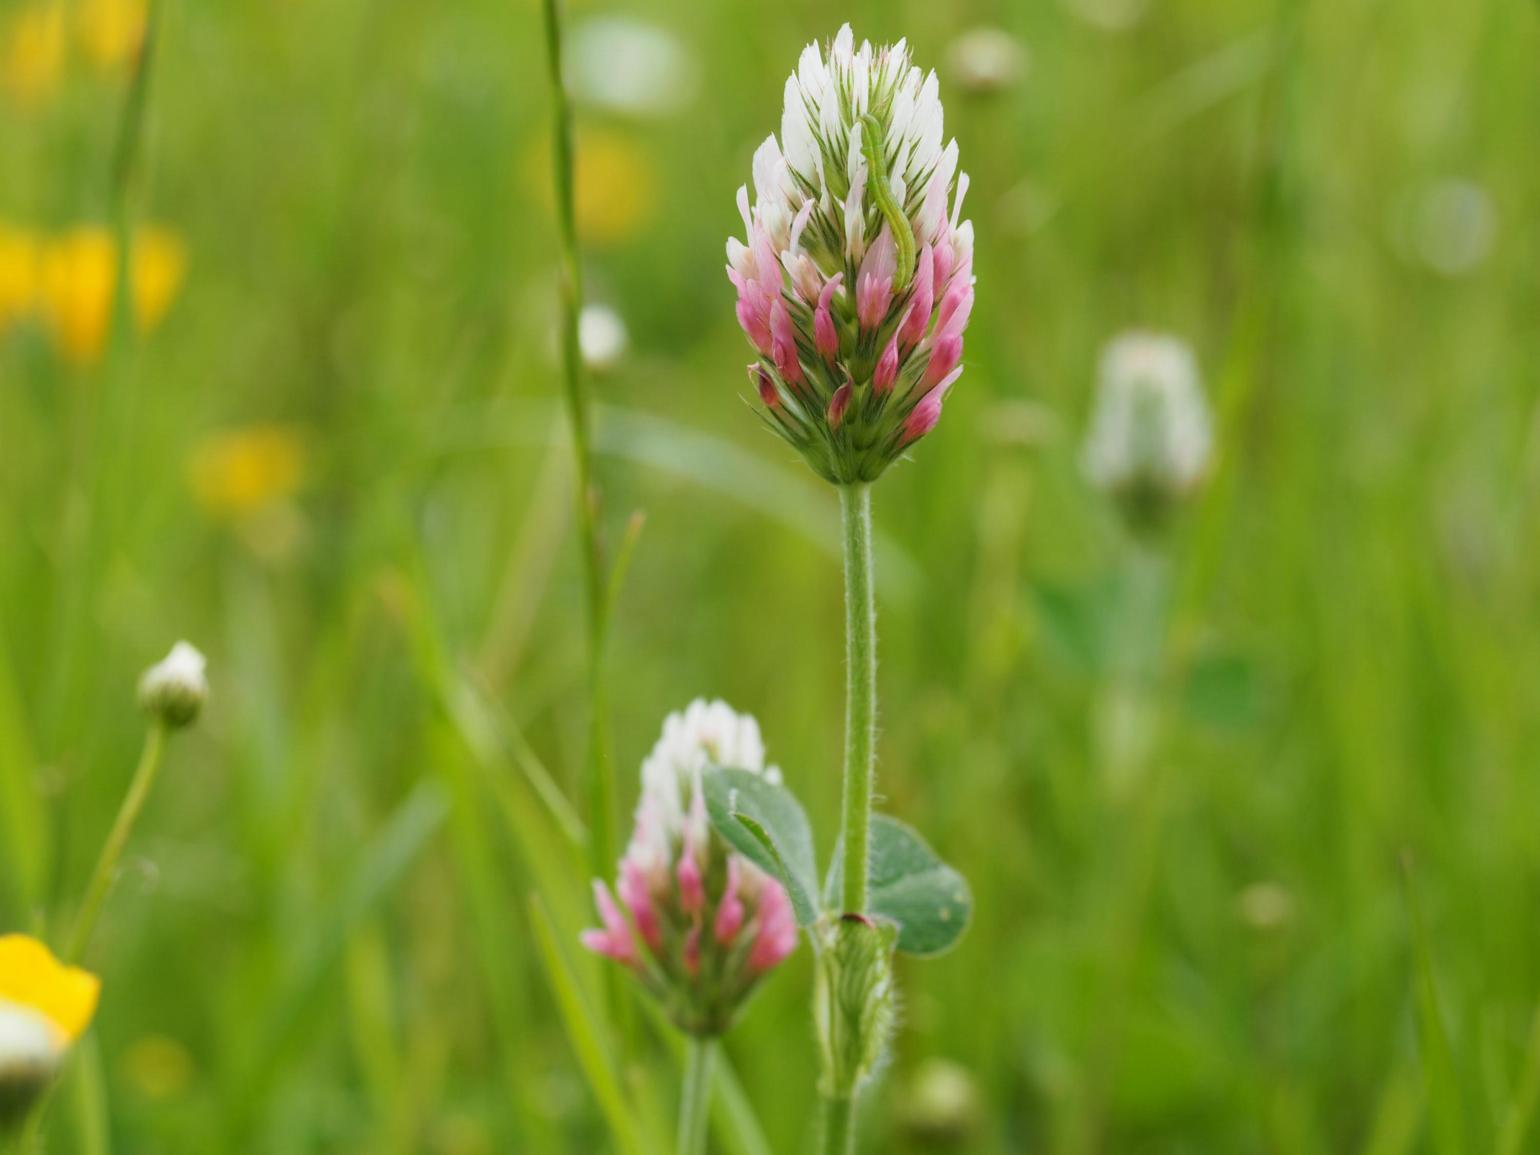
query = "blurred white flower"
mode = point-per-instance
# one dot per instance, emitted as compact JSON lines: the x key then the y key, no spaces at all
{"x":1150,"y":437}
{"x":175,"y":688}
{"x":1449,"y":225}
{"x":29,"y":1043}
{"x":1109,"y":15}
{"x":629,"y":67}
{"x":941,"y":1103}
{"x":30,"y":1051}
{"x":986,"y":60}
{"x":1265,"y":905}
{"x":602,"y":337}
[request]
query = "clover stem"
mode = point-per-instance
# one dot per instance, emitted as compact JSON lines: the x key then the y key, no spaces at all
{"x":838,"y":1126}
{"x":695,"y":1102}
{"x":860,"y":694}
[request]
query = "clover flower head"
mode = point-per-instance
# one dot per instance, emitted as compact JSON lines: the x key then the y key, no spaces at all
{"x":44,"y":1007}
{"x":1150,"y":439}
{"x":855,"y":280}
{"x":175,"y":688}
{"x":698,"y":924}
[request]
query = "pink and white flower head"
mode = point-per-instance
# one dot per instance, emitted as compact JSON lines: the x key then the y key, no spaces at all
{"x":857,"y":269}
{"x":698,"y":924}
{"x":1150,"y":439}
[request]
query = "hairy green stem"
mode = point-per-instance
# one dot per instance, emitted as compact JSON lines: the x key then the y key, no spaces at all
{"x":601,"y":789}
{"x":860,"y":694}
{"x":695,"y":1102}
{"x":839,"y":1130}
{"x":860,"y":757}
{"x":117,"y":840}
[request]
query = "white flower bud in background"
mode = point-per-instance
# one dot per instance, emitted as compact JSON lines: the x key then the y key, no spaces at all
{"x":602,"y":337}
{"x":1109,"y":15}
{"x":175,"y":688}
{"x":630,"y":67}
{"x":1150,"y":440}
{"x":30,"y":1050}
{"x":1448,"y":225}
{"x":1265,"y":906}
{"x":940,"y":1105}
{"x":986,"y":60}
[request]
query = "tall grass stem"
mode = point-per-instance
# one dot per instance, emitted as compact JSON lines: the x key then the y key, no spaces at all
{"x":102,"y":877}
{"x":601,"y":788}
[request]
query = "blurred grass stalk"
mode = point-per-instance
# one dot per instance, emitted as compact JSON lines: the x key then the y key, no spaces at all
{"x":87,"y":1100}
{"x":601,"y":786}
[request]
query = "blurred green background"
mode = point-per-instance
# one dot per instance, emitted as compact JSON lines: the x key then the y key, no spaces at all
{"x":332,"y":455}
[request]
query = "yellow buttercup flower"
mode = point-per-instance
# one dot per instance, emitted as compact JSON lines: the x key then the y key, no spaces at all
{"x":111,"y":31}
{"x":615,"y":184}
{"x":32,"y":979}
{"x":44,"y":1007}
{"x":615,"y":190}
{"x":78,"y":275}
{"x":19,"y":252}
{"x":160,"y":265}
{"x":32,"y":51}
{"x":79,"y":271}
{"x":243,"y":471}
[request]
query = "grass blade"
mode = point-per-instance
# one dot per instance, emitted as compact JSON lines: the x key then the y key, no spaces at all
{"x":589,"y":1044}
{"x":1439,"y":1073}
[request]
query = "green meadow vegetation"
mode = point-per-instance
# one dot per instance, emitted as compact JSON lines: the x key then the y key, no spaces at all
{"x":1249,"y":803}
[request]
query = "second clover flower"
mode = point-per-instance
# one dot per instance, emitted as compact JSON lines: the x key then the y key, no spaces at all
{"x":696,"y":923}
{"x":855,"y":283}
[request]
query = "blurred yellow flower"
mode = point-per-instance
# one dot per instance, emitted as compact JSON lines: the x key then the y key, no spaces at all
{"x":160,"y":265}
{"x":77,"y":279}
{"x":32,"y":51}
{"x":615,"y":185}
{"x":31,"y":978}
{"x":242,"y":471}
{"x":616,"y":190}
{"x":18,"y":274}
{"x":110,"y":31}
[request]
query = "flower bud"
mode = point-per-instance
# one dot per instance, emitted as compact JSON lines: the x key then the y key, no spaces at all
{"x":838,"y":404}
{"x":765,"y":385}
{"x":941,"y":1105}
{"x":825,"y":336}
{"x":695,"y":922}
{"x":874,"y":284}
{"x":602,"y":337}
{"x":862,"y":157}
{"x":927,"y":411}
{"x":175,"y":688}
{"x":887,"y":368}
{"x":1150,"y":441}
{"x":855,"y":1003}
{"x":985,"y":61}
{"x":943,"y":359}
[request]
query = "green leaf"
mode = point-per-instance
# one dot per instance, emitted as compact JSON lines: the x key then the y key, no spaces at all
{"x":911,"y":886}
{"x":593,"y":1047}
{"x":1441,"y":1075}
{"x":765,"y":823}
